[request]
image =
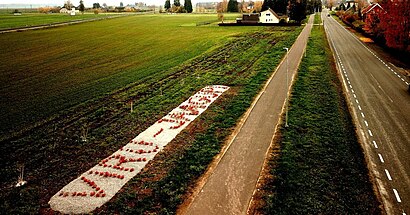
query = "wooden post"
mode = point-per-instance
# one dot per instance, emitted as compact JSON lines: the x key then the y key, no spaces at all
{"x":131,"y":107}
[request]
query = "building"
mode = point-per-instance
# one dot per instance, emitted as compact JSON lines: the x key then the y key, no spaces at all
{"x":269,"y":16}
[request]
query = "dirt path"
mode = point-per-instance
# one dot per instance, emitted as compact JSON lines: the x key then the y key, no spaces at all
{"x":232,"y":177}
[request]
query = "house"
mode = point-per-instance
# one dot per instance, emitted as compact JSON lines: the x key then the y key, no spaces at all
{"x":269,"y":16}
{"x":371,"y":11}
{"x":64,"y":10}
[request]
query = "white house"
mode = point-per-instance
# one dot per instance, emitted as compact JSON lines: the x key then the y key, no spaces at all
{"x":269,"y":16}
{"x":63,"y":10}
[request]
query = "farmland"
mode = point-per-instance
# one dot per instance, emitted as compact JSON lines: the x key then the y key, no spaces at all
{"x":81,"y":62}
{"x":8,"y":20}
{"x":111,"y":63}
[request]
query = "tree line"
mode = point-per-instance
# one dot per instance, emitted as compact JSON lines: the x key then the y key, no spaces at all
{"x":295,"y":9}
{"x":177,"y":7}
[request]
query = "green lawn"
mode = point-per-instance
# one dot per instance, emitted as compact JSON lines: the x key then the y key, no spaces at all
{"x":46,"y":71}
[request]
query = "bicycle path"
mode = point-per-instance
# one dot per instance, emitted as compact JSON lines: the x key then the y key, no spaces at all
{"x":231,"y":184}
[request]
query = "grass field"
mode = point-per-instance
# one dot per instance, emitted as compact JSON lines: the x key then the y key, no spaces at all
{"x":46,"y":71}
{"x":114,"y":62}
{"x":32,"y":19}
{"x":320,"y":167}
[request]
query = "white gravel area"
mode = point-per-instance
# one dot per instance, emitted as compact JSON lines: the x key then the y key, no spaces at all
{"x":99,"y":184}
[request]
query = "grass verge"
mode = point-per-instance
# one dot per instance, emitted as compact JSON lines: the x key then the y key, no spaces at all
{"x":320,"y":167}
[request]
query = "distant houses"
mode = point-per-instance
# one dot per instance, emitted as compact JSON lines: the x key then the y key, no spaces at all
{"x":267,"y":17}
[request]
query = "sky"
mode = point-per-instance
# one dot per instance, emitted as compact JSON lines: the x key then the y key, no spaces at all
{"x":89,"y":3}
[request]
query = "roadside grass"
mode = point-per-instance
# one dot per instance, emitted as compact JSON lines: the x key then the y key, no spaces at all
{"x":54,"y":154}
{"x":320,"y":168}
{"x":317,"y":19}
{"x":46,"y":71}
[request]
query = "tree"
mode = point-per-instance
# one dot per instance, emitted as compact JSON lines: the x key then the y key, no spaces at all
{"x":121,"y":4}
{"x":257,"y":7}
{"x":177,"y":3}
{"x":81,"y":7}
{"x":395,"y":22}
{"x":297,"y":10}
{"x":267,"y":4}
{"x":96,"y":5}
{"x":68,"y":5}
{"x":188,"y":6}
{"x":105,"y":5}
{"x":167,"y":5}
{"x":232,"y":6}
{"x":222,"y":7}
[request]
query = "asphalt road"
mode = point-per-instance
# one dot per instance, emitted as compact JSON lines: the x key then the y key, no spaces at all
{"x":378,"y":95}
{"x":230,"y":186}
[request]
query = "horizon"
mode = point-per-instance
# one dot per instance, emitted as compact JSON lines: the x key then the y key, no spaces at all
{"x":87,"y":3}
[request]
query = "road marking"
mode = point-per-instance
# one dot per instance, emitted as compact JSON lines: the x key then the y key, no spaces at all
{"x":370,"y":133}
{"x":403,"y":79}
{"x":361,"y":113}
{"x":375,"y":144}
{"x":354,"y":95}
{"x":352,"y":91}
{"x":381,"y":158}
{"x":365,"y":122}
{"x":397,"y":195}
{"x":360,"y":108}
{"x":388,"y":174}
{"x":351,"y":86}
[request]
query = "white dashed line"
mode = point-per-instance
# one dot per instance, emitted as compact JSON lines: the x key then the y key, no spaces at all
{"x":388,"y":174}
{"x":365,"y":122}
{"x":375,"y":144}
{"x":370,"y":133}
{"x":361,"y":113}
{"x":350,"y":86}
{"x":354,"y":95}
{"x":397,"y":195}
{"x":360,"y":108}
{"x":381,"y":158}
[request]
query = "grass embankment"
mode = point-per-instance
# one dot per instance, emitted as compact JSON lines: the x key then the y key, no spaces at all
{"x":54,"y":153}
{"x":44,"y":72}
{"x":320,"y":167}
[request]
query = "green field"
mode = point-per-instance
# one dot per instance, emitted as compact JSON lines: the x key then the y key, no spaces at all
{"x":32,"y":19}
{"x":46,"y":71}
{"x":157,"y":62}
{"x":319,"y":166}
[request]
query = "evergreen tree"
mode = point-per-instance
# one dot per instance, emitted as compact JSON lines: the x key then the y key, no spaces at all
{"x":81,"y":7}
{"x":177,"y":3}
{"x":232,"y":6}
{"x":279,"y":6}
{"x":267,"y":4}
{"x":188,"y":6}
{"x":167,"y":5}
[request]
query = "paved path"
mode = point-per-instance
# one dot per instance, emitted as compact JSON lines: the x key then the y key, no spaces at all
{"x":380,"y":102}
{"x":230,"y":187}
